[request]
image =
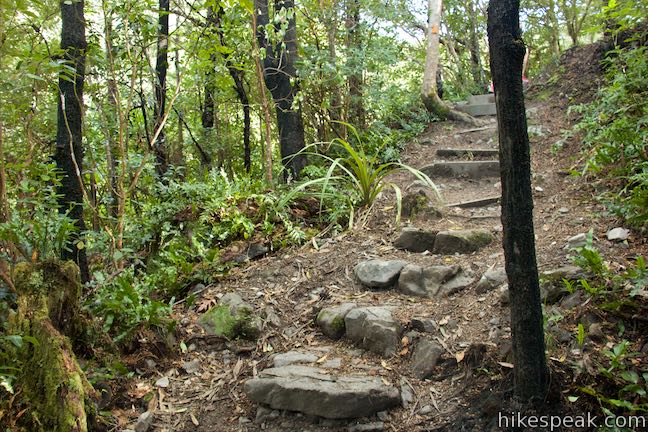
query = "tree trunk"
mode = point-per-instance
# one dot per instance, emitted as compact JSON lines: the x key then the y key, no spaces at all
{"x":161,"y":66}
{"x":554,"y":29}
{"x":267,"y":153}
{"x":473,"y":42}
{"x":69,"y":136}
{"x":507,"y":53}
{"x":241,"y":93}
{"x":355,"y":64}
{"x":4,"y":200}
{"x":431,"y":98}
{"x":281,"y":79}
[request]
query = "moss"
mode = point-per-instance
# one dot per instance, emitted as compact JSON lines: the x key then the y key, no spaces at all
{"x":480,"y":238}
{"x":338,"y":324}
{"x":54,"y":386}
{"x":220,"y":321}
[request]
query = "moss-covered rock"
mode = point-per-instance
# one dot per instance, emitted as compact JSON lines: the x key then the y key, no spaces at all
{"x":331,"y":320}
{"x":465,"y":241}
{"x":222,"y":321}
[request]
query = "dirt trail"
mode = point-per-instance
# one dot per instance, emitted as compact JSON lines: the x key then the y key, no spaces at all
{"x":295,"y":284}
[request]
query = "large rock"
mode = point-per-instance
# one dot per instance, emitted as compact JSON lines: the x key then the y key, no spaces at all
{"x":374,"y":329}
{"x":433,"y":281}
{"x":425,"y":357}
{"x":492,"y":279}
{"x":415,"y":240}
{"x":378,"y":273}
{"x":232,"y":318}
{"x":292,"y":357}
{"x":331,"y":320}
{"x":310,"y":391}
{"x":465,"y":241}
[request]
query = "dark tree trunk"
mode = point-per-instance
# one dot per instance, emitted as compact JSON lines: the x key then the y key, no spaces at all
{"x":507,"y":53}
{"x":69,"y":145}
{"x":355,"y":64}
{"x":161,"y":66}
{"x":279,"y":75}
{"x":241,"y":92}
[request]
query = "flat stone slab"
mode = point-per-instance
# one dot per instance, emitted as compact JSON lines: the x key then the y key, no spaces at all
{"x":311,"y":391}
{"x":471,"y":169}
{"x":488,"y":98}
{"x":481,"y":202}
{"x":292,"y":357}
{"x":478,"y":110}
{"x":494,"y":153}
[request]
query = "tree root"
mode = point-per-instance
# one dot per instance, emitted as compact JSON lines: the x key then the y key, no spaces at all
{"x":55,"y":389}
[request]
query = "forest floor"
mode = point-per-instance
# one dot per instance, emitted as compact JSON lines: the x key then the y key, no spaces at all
{"x":204,"y":390}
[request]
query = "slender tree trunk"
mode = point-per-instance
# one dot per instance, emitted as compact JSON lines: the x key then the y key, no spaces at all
{"x":69,"y":135}
{"x":507,"y":53}
{"x":330,"y":22}
{"x":554,"y":29}
{"x":4,"y":201}
{"x":161,"y":67}
{"x":111,"y":145}
{"x":281,"y":79}
{"x":431,"y":98}
{"x":473,"y":42}
{"x":355,"y":64}
{"x":264,"y":103}
{"x":241,"y":93}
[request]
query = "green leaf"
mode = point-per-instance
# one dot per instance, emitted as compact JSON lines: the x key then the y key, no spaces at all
{"x":630,"y":376}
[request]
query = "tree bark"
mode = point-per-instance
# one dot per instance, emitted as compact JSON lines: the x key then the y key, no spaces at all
{"x":161,"y":67}
{"x":355,"y":64}
{"x":241,"y":93}
{"x":69,"y":134}
{"x":265,"y":105}
{"x":281,"y":79}
{"x":554,"y":29}
{"x":431,"y":99}
{"x":473,"y":41}
{"x":507,"y":53}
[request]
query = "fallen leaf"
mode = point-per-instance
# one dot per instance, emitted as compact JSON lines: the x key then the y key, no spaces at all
{"x":322,"y":359}
{"x":404,"y":351}
{"x":384,"y":364}
{"x":405,"y":341}
{"x":194,"y":420}
{"x":385,"y":381}
{"x":237,"y":368}
{"x":460,"y":356}
{"x":506,"y":365}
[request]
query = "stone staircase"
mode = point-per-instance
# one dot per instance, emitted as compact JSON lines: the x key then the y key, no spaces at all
{"x":479,"y":105}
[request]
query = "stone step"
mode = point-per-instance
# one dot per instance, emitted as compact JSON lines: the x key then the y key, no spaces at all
{"x":482,"y":202}
{"x":481,"y":99}
{"x":478,"y":110}
{"x":316,"y":392}
{"x":470,"y":169}
{"x":494,"y":153}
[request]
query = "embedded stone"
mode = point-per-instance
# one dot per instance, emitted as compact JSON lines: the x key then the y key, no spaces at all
{"x":465,"y":241}
{"x":331,"y":320}
{"x":378,"y":273}
{"x":374,"y":329}
{"x":310,"y":391}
